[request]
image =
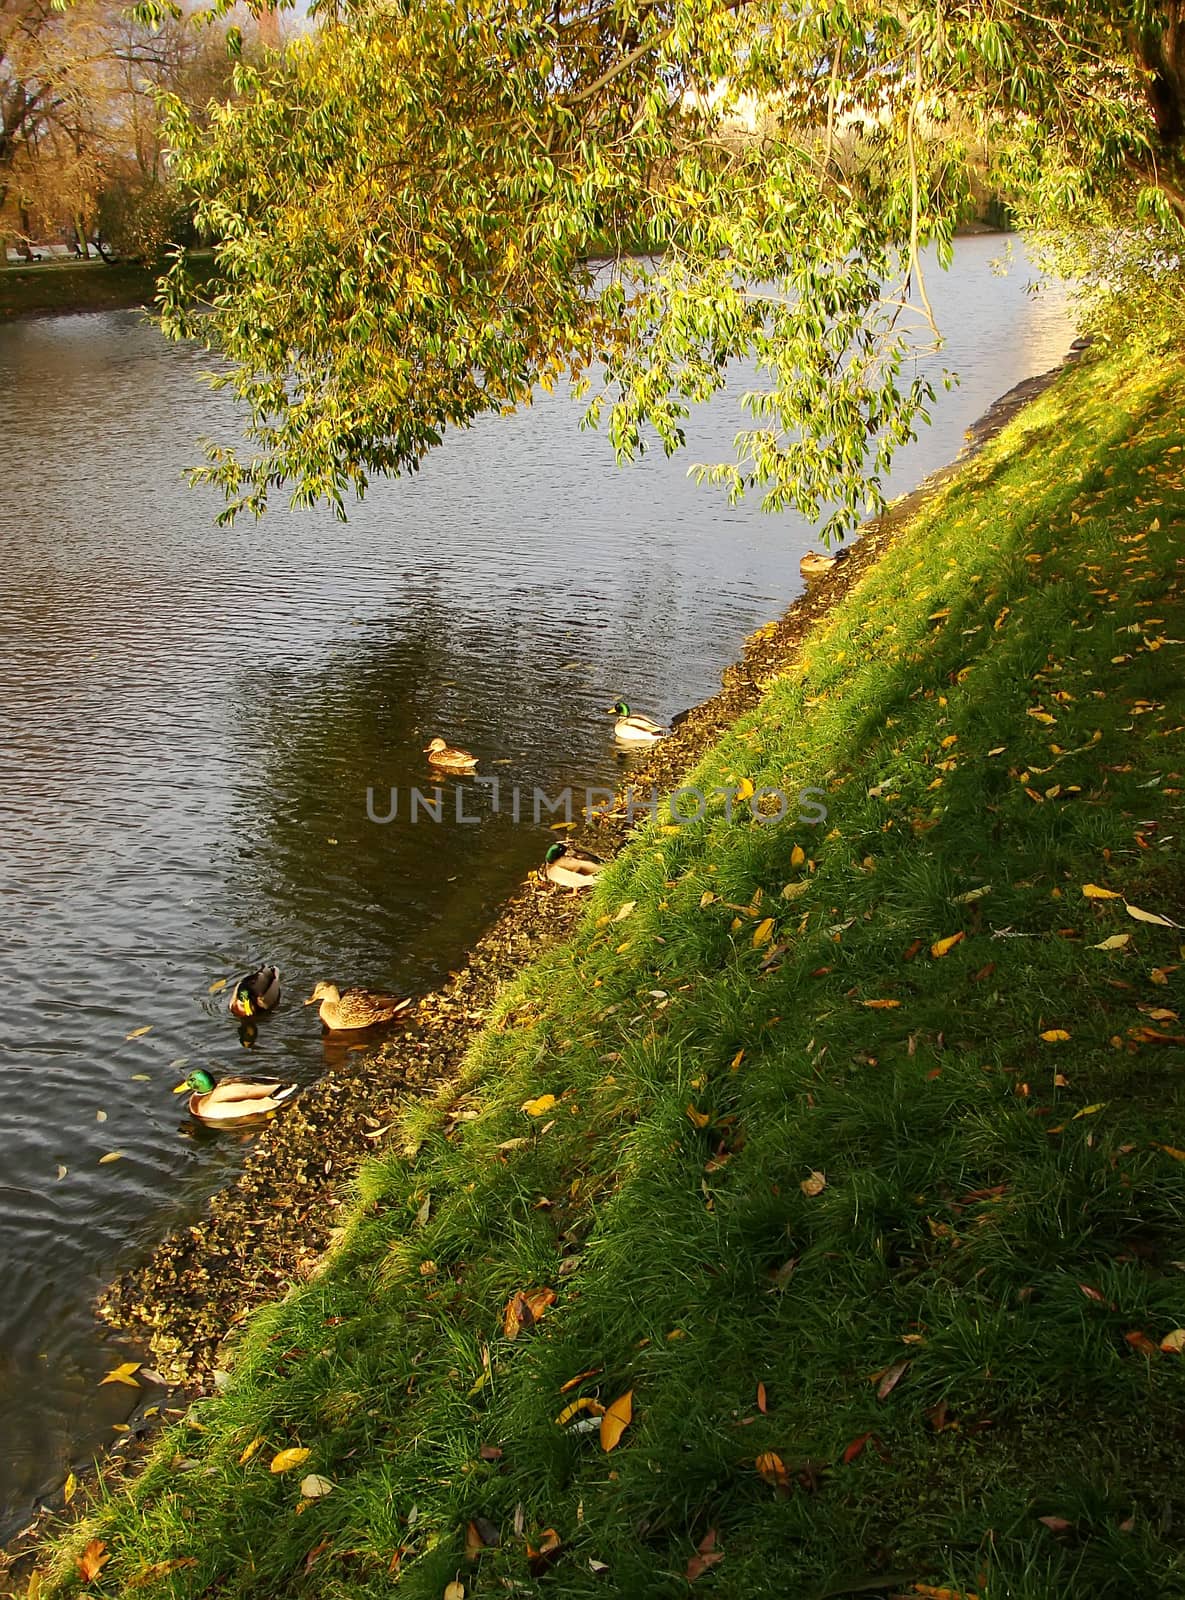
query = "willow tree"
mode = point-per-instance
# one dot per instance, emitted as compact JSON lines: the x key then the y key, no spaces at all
{"x":428,"y":208}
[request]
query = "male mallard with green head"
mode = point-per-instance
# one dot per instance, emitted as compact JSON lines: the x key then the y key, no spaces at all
{"x":233,"y":1099}
{"x":570,"y":867}
{"x":255,"y":992}
{"x":354,"y":1009}
{"x":632,"y":727}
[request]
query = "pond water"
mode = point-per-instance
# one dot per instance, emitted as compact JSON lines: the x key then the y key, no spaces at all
{"x":190,"y":719}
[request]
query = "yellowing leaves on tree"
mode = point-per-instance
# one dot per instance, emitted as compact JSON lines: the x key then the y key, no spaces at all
{"x":616,"y":1420}
{"x":286,"y":1460}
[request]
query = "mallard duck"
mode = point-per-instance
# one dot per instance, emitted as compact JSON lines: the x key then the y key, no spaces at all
{"x":233,"y":1099}
{"x":354,"y":1009}
{"x":449,"y":757}
{"x":633,"y":728}
{"x":255,"y":992}
{"x":569,"y":867}
{"x":814,"y":564}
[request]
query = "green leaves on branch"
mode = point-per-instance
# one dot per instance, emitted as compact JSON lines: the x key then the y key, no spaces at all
{"x":404,"y":206}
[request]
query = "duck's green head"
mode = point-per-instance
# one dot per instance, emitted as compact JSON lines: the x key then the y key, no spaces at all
{"x":621,"y":709}
{"x":554,"y":852}
{"x":198,"y":1082}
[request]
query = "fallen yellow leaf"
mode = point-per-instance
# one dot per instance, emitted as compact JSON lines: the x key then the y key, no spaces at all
{"x":138,"y":1033}
{"x":941,"y":947}
{"x":285,"y":1460}
{"x":763,"y":932}
{"x":880,"y":1005}
{"x":536,"y":1108}
{"x":1088,"y":1111}
{"x":1055,"y":1035}
{"x":1092,"y":891}
{"x":251,"y":1449}
{"x":1148,"y":916}
{"x":797,"y":856}
{"x":616,"y":1420}
{"x":1115,"y":942}
{"x":587,"y":1403}
{"x":813,"y":1185}
{"x":1174,"y":1343}
{"x":126,"y":1373}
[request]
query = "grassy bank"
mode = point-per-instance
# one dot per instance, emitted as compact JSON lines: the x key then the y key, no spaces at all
{"x":851,"y":1153}
{"x":56,"y":287}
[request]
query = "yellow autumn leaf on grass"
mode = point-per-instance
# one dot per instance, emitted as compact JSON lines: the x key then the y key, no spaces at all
{"x":70,"y":1488}
{"x":813,"y":1185}
{"x":586,"y":1403}
{"x":1088,"y":1111}
{"x":793,"y":890}
{"x":1092,"y":891}
{"x":1174,"y":1343}
{"x":745,"y":789}
{"x":763,"y":932}
{"x":880,"y":1005}
{"x":250,"y":1450}
{"x":1148,"y":916}
{"x":699,"y":1118}
{"x":295,"y":1456}
{"x":706,"y":898}
{"x":797,"y":856}
{"x":1115,"y":942}
{"x":942,"y":946}
{"x":1055,"y":1035}
{"x":616,"y":1420}
{"x":536,"y":1108}
{"x":123,"y":1374}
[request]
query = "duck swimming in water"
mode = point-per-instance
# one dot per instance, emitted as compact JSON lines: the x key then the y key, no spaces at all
{"x":233,"y":1099}
{"x":449,"y":757}
{"x":355,"y":1008}
{"x":632,"y":727}
{"x":255,"y":992}
{"x":570,"y":868}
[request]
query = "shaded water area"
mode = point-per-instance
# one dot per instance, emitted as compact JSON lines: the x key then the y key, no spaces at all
{"x":190,"y":719}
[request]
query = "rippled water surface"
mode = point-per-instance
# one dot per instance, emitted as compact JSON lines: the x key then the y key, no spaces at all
{"x":190,"y":718}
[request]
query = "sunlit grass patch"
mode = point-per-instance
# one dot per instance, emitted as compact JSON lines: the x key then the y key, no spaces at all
{"x":852,"y":1152}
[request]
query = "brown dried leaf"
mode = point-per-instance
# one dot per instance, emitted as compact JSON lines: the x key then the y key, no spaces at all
{"x":891,"y":1377}
{"x":92,"y":1560}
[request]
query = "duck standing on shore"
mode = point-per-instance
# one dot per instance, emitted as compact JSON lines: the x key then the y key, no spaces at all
{"x":448,"y":757}
{"x":633,"y":728}
{"x":255,"y":992}
{"x":233,"y":1099}
{"x":569,"y":867}
{"x":354,"y":1009}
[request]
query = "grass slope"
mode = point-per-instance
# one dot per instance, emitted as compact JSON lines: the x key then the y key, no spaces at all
{"x":799,"y":1153}
{"x":57,"y":286}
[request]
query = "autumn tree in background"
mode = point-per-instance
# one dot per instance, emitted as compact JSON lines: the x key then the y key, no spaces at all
{"x":81,"y":144}
{"x":406,"y":203}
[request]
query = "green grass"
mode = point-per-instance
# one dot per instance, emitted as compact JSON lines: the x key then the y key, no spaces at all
{"x":998,"y":1207}
{"x":62,"y":286}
